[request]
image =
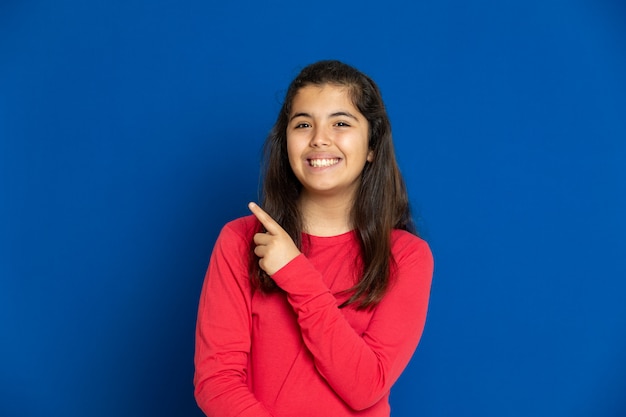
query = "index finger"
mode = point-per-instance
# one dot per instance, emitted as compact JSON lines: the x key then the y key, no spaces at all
{"x":266,"y":220}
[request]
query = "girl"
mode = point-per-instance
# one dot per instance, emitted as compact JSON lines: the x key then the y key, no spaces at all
{"x":314,"y":305}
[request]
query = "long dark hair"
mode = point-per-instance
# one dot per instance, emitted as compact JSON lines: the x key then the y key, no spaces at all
{"x":381,"y":202}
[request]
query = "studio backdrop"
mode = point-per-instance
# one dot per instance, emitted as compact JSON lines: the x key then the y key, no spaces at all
{"x":131,"y":131}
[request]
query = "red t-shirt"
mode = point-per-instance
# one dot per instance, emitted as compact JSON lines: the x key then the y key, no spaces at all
{"x":295,"y":353}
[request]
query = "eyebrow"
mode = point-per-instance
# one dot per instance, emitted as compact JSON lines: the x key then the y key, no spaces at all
{"x":336,"y":114}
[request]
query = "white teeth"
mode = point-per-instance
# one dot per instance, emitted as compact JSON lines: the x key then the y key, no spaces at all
{"x":317,"y":163}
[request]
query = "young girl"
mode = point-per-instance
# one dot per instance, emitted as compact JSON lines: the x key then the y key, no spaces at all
{"x":313,"y":305}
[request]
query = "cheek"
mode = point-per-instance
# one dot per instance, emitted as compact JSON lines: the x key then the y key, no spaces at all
{"x":290,"y":149}
{"x":361,"y":146}
{"x":292,"y":154}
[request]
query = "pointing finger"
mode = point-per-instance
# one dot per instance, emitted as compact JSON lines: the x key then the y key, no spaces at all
{"x":266,"y":220}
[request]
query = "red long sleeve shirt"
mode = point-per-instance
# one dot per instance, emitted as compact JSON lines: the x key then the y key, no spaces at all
{"x":295,"y":353}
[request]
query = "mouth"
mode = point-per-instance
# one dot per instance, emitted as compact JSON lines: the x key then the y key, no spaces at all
{"x":324,"y":162}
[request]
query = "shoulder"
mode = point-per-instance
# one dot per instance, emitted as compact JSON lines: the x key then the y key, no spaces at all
{"x":245,"y":226}
{"x":413,"y":263}
{"x":238,"y":232}
{"x":407,"y":245}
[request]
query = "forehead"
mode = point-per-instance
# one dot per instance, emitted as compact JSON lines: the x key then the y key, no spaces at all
{"x":322,"y":97}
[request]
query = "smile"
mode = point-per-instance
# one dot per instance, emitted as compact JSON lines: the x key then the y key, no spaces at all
{"x":318,"y":163}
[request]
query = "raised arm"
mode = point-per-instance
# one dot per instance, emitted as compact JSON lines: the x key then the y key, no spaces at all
{"x":361,"y":368}
{"x":223,"y":333}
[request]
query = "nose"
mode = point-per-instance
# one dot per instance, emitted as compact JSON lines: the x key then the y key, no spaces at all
{"x":320,"y":138}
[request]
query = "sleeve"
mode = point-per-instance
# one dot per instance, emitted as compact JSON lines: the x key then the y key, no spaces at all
{"x":223,"y":333}
{"x":361,"y":368}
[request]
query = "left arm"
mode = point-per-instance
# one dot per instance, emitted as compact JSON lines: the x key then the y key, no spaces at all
{"x":361,"y":368}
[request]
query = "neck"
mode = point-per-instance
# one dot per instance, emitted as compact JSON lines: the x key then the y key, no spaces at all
{"x":326,"y":216}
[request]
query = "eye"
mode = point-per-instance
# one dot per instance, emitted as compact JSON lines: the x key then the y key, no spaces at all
{"x":302,"y":125}
{"x":342,"y":124}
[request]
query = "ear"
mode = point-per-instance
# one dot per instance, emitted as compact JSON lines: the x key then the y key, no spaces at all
{"x":370,"y":156}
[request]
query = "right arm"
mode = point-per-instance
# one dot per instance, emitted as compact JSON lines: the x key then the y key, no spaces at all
{"x":223,"y":333}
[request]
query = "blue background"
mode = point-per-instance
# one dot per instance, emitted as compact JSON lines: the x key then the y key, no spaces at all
{"x":130,"y":132}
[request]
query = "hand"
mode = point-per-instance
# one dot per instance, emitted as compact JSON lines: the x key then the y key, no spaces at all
{"x":275,"y":248}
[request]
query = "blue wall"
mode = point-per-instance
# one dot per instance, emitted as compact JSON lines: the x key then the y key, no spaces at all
{"x":130,"y":131}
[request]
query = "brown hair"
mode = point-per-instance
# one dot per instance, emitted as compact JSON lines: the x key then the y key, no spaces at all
{"x":381,"y":202}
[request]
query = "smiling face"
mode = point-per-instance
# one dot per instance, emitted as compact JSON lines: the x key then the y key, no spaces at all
{"x":327,"y":141}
